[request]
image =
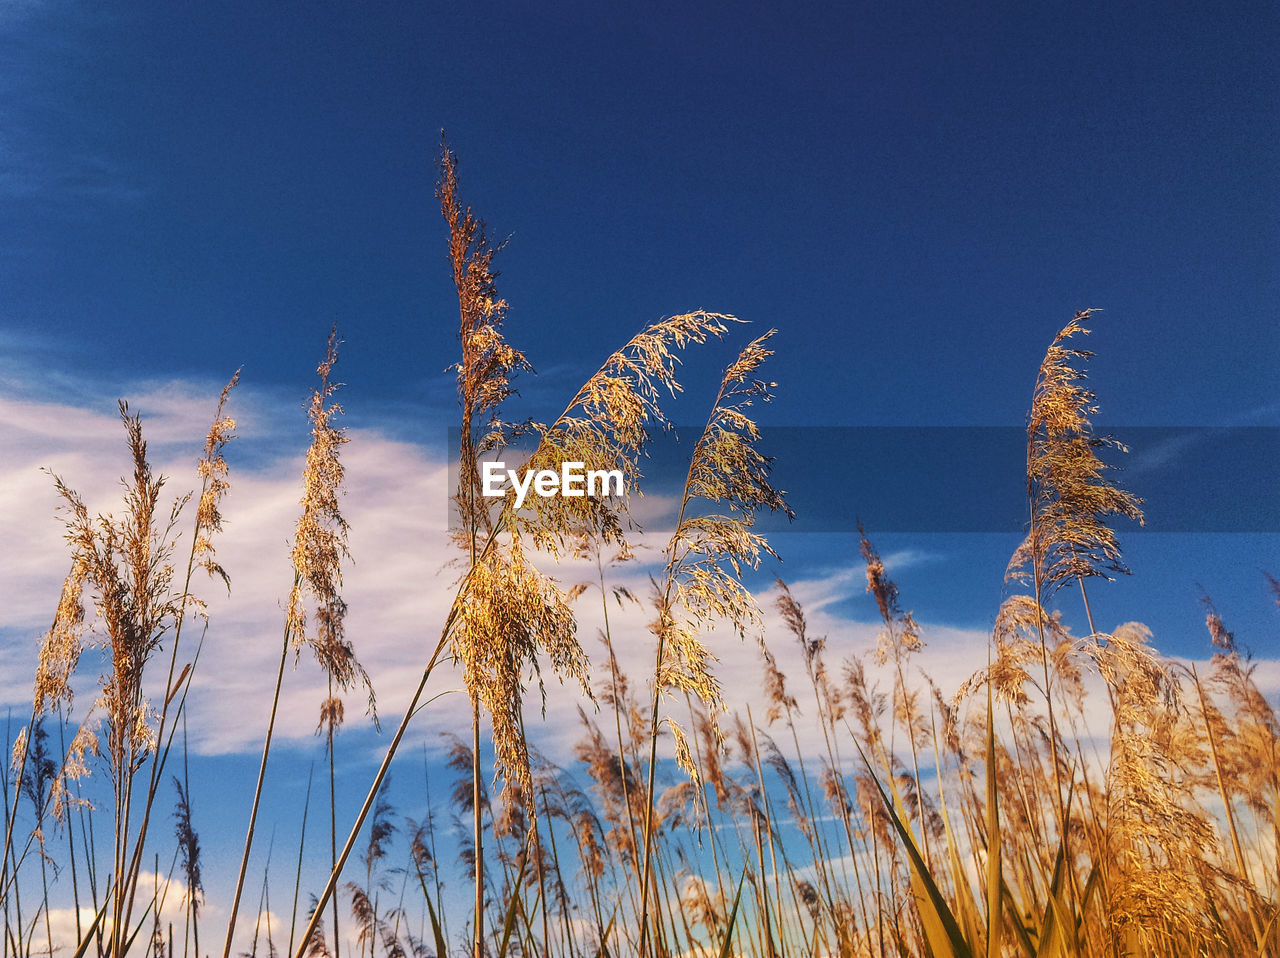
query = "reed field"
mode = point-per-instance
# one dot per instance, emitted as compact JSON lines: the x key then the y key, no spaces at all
{"x":1079,"y":794}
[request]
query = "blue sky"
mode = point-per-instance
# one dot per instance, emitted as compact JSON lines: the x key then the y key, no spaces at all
{"x":917,"y":196}
{"x":914,"y":197}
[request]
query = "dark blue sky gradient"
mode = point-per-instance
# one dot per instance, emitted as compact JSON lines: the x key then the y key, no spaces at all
{"x":918,"y":196}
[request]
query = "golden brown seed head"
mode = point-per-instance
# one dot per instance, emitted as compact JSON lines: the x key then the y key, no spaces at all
{"x":1069,"y":493}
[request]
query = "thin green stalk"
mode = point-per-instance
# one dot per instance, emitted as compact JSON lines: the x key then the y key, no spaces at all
{"x":646,"y":864}
{"x":371,"y":797}
{"x":702,"y":798}
{"x":664,"y":607}
{"x":767,"y":806}
{"x":257,"y":799}
{"x":44,"y":887}
{"x":158,"y":756}
{"x":71,"y":845}
{"x":13,"y":938}
{"x":333,"y":821}
{"x":8,"y":877}
{"x":302,"y":841}
{"x":477,"y":822}
{"x":91,"y":866}
{"x":617,"y":705}
{"x":1226,"y":800}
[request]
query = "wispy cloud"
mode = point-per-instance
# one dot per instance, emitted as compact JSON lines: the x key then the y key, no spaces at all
{"x":48,"y":152}
{"x":398,"y":588}
{"x":1164,"y":453}
{"x":33,"y":169}
{"x":172,"y":918}
{"x":396,"y":506}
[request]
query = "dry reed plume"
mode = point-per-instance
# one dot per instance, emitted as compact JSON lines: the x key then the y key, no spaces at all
{"x":852,"y":808}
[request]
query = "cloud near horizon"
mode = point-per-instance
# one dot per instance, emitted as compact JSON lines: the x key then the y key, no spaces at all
{"x":398,"y":586}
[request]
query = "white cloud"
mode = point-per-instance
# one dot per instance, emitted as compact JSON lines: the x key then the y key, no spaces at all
{"x":395,"y":504}
{"x":398,"y":588}
{"x":172,"y":896}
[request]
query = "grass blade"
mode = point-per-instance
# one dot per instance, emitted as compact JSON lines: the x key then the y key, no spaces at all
{"x":725,"y":949}
{"x":940,"y":925}
{"x":91,"y":931}
{"x":436,"y":931}
{"x":994,"y":924}
{"x":512,"y":909}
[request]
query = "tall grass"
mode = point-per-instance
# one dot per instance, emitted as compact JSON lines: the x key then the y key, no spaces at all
{"x":831,"y":816}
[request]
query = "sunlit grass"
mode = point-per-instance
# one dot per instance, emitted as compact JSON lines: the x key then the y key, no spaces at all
{"x":1008,"y":820}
